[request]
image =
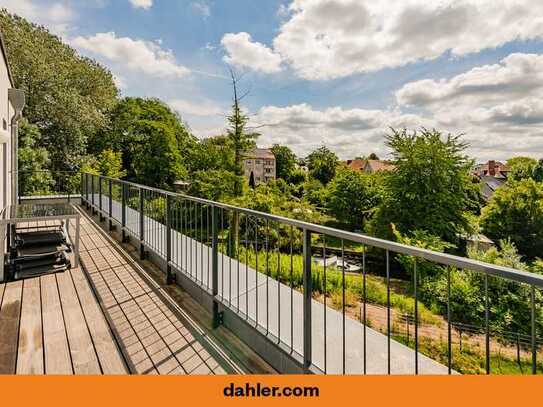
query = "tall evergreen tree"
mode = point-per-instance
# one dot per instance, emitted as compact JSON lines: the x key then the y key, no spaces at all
{"x":241,"y":140}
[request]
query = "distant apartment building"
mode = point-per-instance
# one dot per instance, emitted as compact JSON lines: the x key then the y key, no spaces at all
{"x":369,"y":166}
{"x":261,"y":163}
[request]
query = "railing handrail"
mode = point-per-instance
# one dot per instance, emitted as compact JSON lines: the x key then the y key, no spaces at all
{"x":400,"y":248}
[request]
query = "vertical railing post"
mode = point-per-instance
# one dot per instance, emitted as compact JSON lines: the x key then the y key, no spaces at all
{"x":308,"y":289}
{"x":170,"y":277}
{"x":110,"y":191}
{"x":67,"y":183}
{"x":82,"y":188}
{"x":100,"y":198}
{"x":123,"y":213}
{"x":87,"y":190}
{"x":215,"y":263}
{"x":141,"y":219}
{"x":92,"y":195}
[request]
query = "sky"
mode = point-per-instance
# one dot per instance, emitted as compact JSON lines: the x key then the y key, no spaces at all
{"x":338,"y":73}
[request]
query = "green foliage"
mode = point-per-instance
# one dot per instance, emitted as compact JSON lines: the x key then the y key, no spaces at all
{"x":509,"y":300}
{"x":285,"y":269}
{"x":34,"y":179}
{"x":468,"y":359}
{"x":322,"y":164}
{"x":521,"y":168}
{"x":429,"y":188}
{"x":538,"y":171}
{"x":68,"y":96}
{"x":297,"y":177}
{"x":315,"y":193}
{"x":213,"y":184}
{"x":285,"y":161}
{"x":353,"y":196}
{"x":107,"y":163}
{"x":213,"y":153}
{"x":515,"y":211}
{"x":157,"y":160}
{"x":152,"y":140}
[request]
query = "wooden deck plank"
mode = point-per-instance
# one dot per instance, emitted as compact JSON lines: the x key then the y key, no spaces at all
{"x":84,"y":358}
{"x":30,"y":353}
{"x":108,"y":354}
{"x":57,"y":351}
{"x":9,"y":326}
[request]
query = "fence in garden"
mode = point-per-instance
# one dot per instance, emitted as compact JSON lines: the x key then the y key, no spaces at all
{"x":256,"y":274}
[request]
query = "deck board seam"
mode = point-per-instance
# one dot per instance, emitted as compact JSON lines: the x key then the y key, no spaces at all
{"x":19,"y":327}
{"x":86,"y":323}
{"x":42,"y":329}
{"x":64,"y":324}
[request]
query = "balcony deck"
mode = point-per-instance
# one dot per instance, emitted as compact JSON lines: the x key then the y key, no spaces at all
{"x":107,"y":317}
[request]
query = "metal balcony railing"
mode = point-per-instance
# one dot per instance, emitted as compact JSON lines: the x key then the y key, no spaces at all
{"x":45,"y":183}
{"x":257,"y":274}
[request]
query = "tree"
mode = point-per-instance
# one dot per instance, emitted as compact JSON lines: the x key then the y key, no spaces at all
{"x":509,"y":301}
{"x":68,"y":96}
{"x":315,"y":193}
{"x":34,"y":178}
{"x":152,"y":140}
{"x":353,"y":196}
{"x":429,"y":188}
{"x":322,"y":164}
{"x":212,"y":153}
{"x":213,"y":184}
{"x":538,"y":171}
{"x":521,"y":168}
{"x":242,"y":141}
{"x":373,"y":156}
{"x":107,"y":163}
{"x":285,"y":161}
{"x":515,"y":212}
{"x":157,"y":159}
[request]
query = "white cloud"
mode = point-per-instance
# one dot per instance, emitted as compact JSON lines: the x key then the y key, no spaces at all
{"x":194,"y":108}
{"x":136,"y":55}
{"x":202,"y":8}
{"x":324,"y":39}
{"x":517,"y":75}
{"x":242,"y":51}
{"x":144,"y":4}
{"x":498,"y":106}
{"x":56,"y":16}
{"x":349,"y":132}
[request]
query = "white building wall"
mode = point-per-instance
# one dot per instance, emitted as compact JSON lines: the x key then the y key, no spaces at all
{"x":6,"y":112}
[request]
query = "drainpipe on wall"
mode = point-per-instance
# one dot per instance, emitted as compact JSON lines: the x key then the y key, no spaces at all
{"x":17,"y":99}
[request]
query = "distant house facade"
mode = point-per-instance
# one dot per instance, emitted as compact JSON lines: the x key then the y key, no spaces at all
{"x":493,"y":174}
{"x":492,"y":168}
{"x":261,"y":164}
{"x":370,"y":166}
